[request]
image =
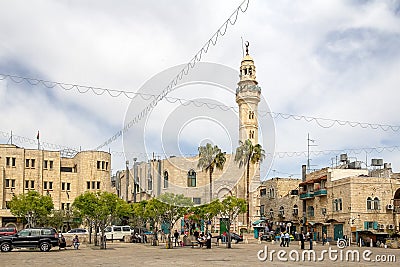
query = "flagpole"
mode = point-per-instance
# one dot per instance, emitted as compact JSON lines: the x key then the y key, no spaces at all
{"x":38,"y":141}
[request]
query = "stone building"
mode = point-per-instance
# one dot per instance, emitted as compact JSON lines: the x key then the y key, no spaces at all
{"x":50,"y":174}
{"x":280,"y":204}
{"x":348,"y":201}
{"x":182,"y":176}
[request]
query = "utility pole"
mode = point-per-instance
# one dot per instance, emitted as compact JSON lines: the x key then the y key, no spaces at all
{"x":127,"y":181}
{"x":308,"y":152}
{"x":134,"y":179}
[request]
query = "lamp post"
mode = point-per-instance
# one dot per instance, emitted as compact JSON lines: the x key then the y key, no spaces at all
{"x":134,"y":179}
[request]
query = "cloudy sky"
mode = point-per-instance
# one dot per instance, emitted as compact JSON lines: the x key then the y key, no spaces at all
{"x":321,"y":59}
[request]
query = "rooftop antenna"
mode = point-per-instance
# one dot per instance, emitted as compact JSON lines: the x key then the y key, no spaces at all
{"x":242,"y":45}
{"x":308,"y":152}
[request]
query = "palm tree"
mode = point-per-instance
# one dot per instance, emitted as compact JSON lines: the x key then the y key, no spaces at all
{"x":248,"y":153}
{"x":210,"y":158}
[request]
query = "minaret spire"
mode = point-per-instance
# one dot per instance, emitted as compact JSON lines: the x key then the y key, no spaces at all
{"x":247,"y":97}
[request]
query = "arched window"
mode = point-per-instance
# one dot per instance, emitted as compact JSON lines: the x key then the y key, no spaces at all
{"x":271,"y":192}
{"x":295,"y":210}
{"x":165,"y":179}
{"x":271,"y":213}
{"x":150,"y":183}
{"x":377,"y":204}
{"x":251,"y":115}
{"x":369,"y":203}
{"x":251,"y":134}
{"x":191,"y":178}
{"x":281,"y":211}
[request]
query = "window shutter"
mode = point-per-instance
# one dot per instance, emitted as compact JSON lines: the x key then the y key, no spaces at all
{"x":366,"y":225}
{"x":375,"y":225}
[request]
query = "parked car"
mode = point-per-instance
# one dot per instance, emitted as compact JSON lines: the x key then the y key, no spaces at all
{"x":234,"y":238}
{"x":78,"y":231}
{"x":268,"y":236}
{"x":42,"y":238}
{"x":117,"y":232}
{"x":7,"y":231}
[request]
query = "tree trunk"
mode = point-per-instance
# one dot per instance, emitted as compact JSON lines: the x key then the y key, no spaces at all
{"x":229,"y":235}
{"x":248,"y":195}
{"x":211,"y":189}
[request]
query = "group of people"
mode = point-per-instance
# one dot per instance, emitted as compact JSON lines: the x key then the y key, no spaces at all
{"x":63,"y":242}
{"x":203,"y":239}
{"x":306,"y":237}
{"x":285,"y":239}
{"x":137,"y":238}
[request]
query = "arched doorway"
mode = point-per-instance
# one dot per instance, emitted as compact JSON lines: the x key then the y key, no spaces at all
{"x":396,"y":200}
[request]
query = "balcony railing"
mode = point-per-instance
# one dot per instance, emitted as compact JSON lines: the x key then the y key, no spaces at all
{"x":307,"y":195}
{"x":320,"y":192}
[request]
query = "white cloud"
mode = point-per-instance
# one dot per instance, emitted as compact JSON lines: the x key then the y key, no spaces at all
{"x":333,"y":59}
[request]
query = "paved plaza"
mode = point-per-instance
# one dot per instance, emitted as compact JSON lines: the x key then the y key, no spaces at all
{"x":130,"y":254}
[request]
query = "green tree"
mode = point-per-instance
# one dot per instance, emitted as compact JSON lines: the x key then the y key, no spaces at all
{"x":230,"y":208}
{"x":100,"y":209}
{"x":176,"y":206}
{"x":32,"y":206}
{"x":155,"y":210}
{"x":247,"y":154}
{"x":211,"y":158}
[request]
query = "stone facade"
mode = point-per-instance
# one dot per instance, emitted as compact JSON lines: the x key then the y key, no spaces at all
{"x":356,"y":203}
{"x":181,"y":176}
{"x":50,"y":174}
{"x":280,"y":203}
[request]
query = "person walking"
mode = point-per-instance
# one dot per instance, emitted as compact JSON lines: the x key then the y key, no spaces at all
{"x":302,"y":239}
{"x":176,"y":236}
{"x":282,"y":244}
{"x":287,"y":239}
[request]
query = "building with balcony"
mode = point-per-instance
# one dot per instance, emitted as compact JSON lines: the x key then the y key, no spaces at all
{"x":351,"y":202}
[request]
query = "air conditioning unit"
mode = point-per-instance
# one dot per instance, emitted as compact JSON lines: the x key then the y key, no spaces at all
{"x":390,"y":226}
{"x":382,"y":226}
{"x":390,"y":207}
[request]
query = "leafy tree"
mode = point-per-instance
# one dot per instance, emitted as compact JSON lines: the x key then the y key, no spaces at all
{"x":32,"y":206}
{"x":248,"y":153}
{"x":230,"y":208}
{"x":155,"y":209}
{"x":176,"y":206}
{"x":211,"y":158}
{"x":100,"y":209}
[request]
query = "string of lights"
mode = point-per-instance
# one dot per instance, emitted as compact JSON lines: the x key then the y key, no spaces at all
{"x":321,"y":122}
{"x":191,"y":64}
{"x":280,"y":154}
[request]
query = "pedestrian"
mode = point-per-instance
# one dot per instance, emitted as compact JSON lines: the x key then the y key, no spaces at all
{"x":302,"y":239}
{"x":76,"y":242}
{"x":282,"y":244}
{"x":224,"y":235}
{"x":63,"y":243}
{"x":208,"y":242}
{"x":287,"y":239}
{"x":310,"y":239}
{"x":176,"y":236}
{"x":323,"y":238}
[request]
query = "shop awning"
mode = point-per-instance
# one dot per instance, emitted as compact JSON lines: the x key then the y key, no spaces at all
{"x":258,"y":222}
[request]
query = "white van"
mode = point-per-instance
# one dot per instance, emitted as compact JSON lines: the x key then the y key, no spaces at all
{"x":117,"y":232}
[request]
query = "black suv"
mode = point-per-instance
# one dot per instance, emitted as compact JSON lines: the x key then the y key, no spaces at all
{"x":43,"y":238}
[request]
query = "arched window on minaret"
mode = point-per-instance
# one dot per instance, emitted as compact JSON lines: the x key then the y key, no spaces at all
{"x":251,"y":115}
{"x":251,"y":135}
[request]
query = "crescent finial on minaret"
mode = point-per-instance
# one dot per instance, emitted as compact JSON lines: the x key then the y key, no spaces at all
{"x":247,"y":47}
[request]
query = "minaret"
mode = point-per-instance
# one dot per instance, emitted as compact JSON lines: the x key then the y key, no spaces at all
{"x":248,"y":97}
